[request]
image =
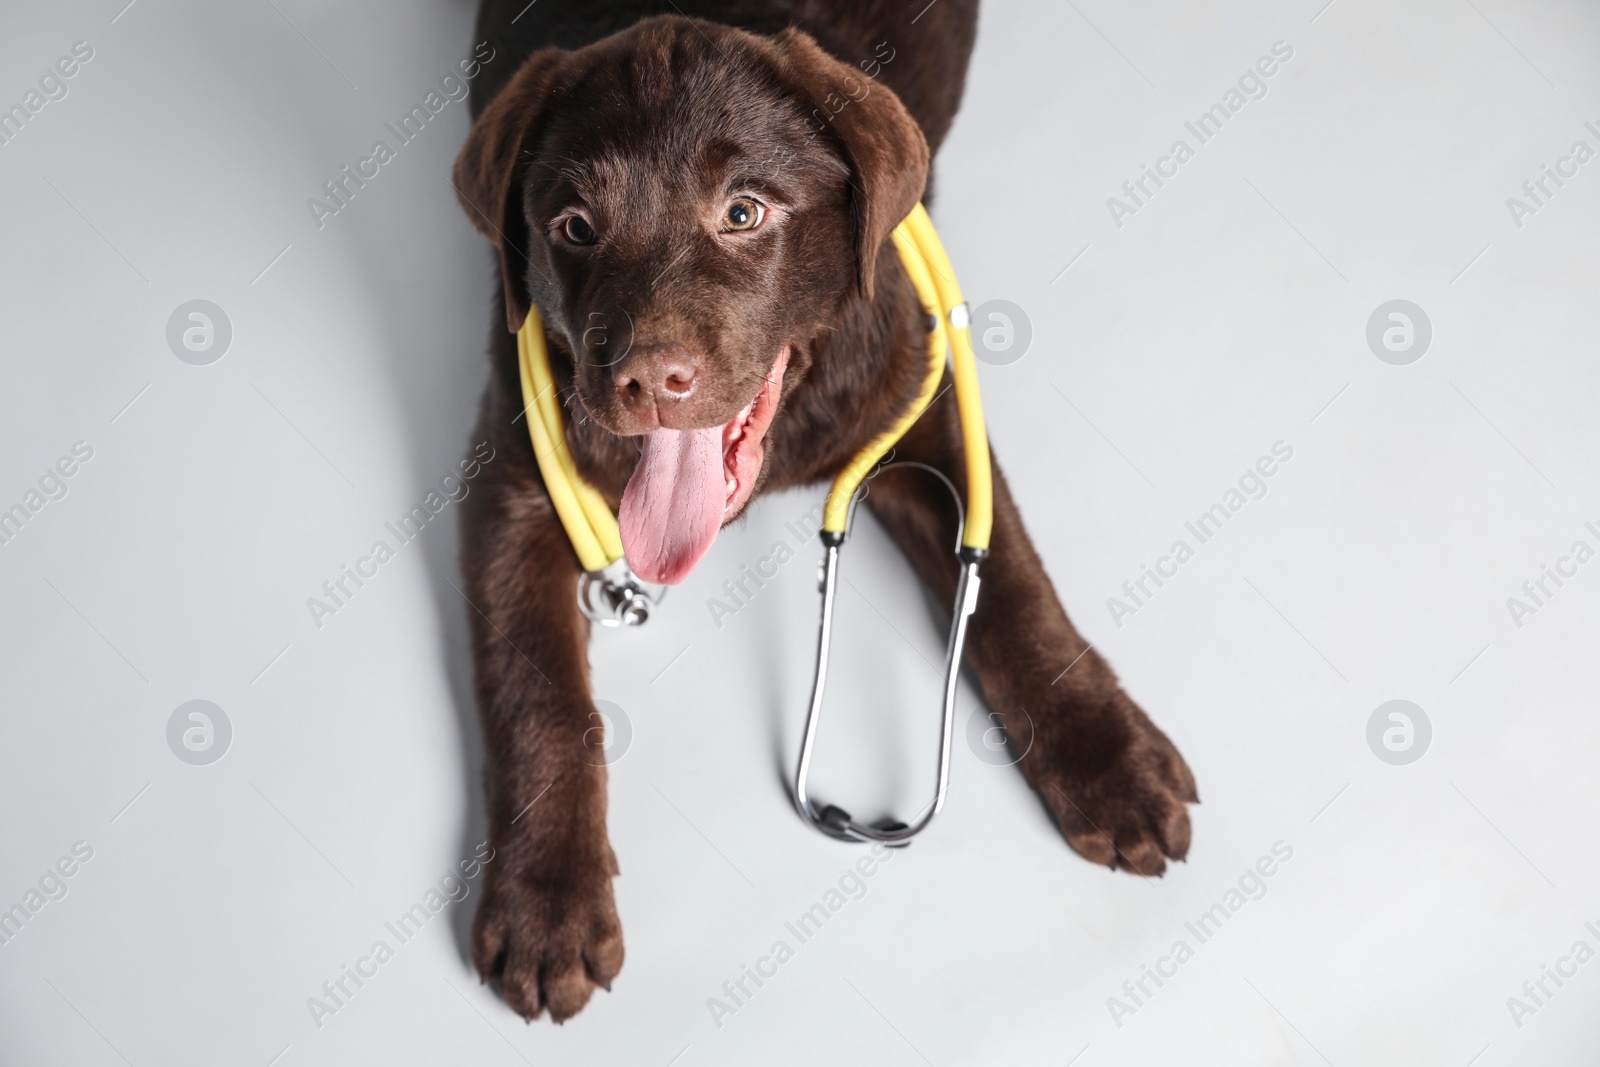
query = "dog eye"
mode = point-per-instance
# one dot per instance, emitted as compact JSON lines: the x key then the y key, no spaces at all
{"x":578,"y":230}
{"x":743,"y":214}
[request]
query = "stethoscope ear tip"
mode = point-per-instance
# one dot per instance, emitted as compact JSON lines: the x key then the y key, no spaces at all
{"x":836,"y":822}
{"x":615,"y":597}
{"x":892,"y":826}
{"x":835,"y":819}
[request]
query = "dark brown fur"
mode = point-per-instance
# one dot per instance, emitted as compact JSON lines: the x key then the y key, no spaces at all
{"x":646,"y":127}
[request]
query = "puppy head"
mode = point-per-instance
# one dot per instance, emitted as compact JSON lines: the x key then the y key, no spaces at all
{"x":685,"y":203}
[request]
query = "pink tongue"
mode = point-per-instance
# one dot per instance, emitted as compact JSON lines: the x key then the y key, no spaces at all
{"x":673,"y":505}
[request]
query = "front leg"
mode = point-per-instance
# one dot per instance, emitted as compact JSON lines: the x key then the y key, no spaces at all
{"x":1116,"y":786}
{"x":547,"y":928}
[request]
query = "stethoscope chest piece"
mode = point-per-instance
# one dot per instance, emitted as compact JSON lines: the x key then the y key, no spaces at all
{"x":616,"y":597}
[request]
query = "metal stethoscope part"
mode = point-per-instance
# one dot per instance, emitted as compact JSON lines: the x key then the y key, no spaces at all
{"x":830,"y":818}
{"x":616,"y":597}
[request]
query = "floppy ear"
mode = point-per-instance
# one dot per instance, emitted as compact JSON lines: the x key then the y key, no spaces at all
{"x":487,"y":170}
{"x":882,"y":143}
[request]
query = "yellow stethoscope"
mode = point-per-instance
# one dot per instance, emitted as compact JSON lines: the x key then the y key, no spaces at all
{"x":611,"y":595}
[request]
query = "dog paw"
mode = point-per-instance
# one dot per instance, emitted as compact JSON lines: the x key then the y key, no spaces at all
{"x":1117,"y":787}
{"x":545,"y":944}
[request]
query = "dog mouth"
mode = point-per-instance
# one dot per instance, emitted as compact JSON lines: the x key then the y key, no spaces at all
{"x":688,"y":483}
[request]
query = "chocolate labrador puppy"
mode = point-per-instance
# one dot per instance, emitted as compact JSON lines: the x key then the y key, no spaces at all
{"x":697,"y":197}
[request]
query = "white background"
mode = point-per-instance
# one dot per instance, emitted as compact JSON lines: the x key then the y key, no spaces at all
{"x":1229,"y":313}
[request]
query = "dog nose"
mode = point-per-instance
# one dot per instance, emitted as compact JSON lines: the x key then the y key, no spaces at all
{"x":652,"y":374}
